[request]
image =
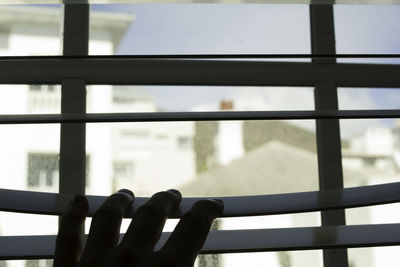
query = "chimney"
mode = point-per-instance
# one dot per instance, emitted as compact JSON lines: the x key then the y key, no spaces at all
{"x":226,"y":105}
{"x":229,"y":139}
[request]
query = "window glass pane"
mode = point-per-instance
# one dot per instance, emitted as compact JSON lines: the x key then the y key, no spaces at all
{"x":29,"y":157}
{"x":217,"y":158}
{"x":388,"y":213}
{"x":374,"y":257}
{"x":29,"y":161}
{"x":29,"y":153}
{"x":200,"y":29}
{"x":271,"y":221}
{"x":370,"y":154}
{"x":367,"y":29}
{"x":27,"y":30}
{"x":30,"y":99}
{"x":198,"y":151}
{"x":369,"y":98}
{"x":12,"y":224}
{"x":107,"y":98}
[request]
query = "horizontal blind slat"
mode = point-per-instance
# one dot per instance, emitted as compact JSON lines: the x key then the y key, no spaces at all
{"x":209,"y":56}
{"x":54,"y":204}
{"x":128,"y":71}
{"x":197,"y":116}
{"x":234,"y":241}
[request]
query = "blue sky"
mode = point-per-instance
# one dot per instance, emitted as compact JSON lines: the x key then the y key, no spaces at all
{"x":208,"y":28}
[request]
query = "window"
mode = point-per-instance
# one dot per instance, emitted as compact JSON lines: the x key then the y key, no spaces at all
{"x":134,"y":134}
{"x":35,"y":87}
{"x":4,"y":38}
{"x":43,"y":88}
{"x":43,"y":98}
{"x":123,"y":169}
{"x":43,"y":172}
{"x":184,"y":142}
{"x":161,"y":136}
{"x":213,"y":120}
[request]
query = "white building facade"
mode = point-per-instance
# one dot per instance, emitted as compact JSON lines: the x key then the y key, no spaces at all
{"x":144,"y":157}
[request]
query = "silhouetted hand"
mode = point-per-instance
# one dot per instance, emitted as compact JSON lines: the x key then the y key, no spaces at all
{"x":136,"y":249}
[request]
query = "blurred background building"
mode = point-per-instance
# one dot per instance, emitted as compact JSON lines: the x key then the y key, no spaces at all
{"x":116,"y":156}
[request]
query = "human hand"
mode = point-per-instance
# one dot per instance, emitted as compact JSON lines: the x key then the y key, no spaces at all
{"x":136,"y":249}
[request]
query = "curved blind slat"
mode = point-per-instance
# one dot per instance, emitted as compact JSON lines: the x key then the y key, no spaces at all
{"x":31,"y":247}
{"x":54,"y":204}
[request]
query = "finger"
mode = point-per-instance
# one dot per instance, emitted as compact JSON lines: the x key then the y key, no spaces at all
{"x":148,"y":222}
{"x":106,"y":222}
{"x":69,"y":238}
{"x":189,"y":235}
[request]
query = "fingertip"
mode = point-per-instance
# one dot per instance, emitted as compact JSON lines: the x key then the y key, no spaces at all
{"x":176,"y":193}
{"x":210,"y":207}
{"x":219,"y":201}
{"x":126,"y":192}
{"x":221,"y":205}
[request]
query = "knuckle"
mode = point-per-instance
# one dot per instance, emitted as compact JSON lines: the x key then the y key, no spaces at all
{"x":194,"y":219}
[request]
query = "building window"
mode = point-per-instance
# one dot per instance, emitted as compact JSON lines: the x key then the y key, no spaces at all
{"x":161,"y":136}
{"x":43,"y":171}
{"x":369,"y":162}
{"x":44,"y":98}
{"x":4,"y":38}
{"x":47,"y":88}
{"x":123,"y":169}
{"x":184,"y":142}
{"x":123,"y":174}
{"x":141,"y":134}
